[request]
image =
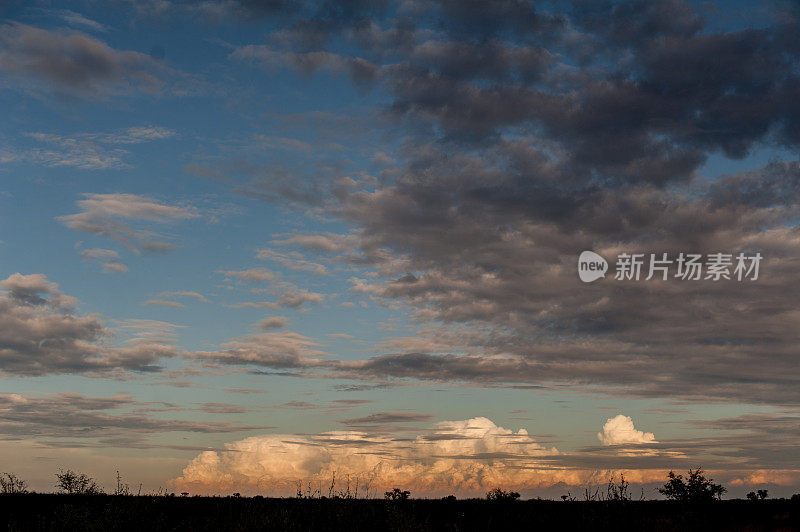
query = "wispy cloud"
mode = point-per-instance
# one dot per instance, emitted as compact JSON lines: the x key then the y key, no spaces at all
{"x":72,"y":415}
{"x":292,"y":260}
{"x":86,"y":151}
{"x":163,"y":303}
{"x":252,"y":275}
{"x":292,"y":299}
{"x":77,"y":19}
{"x":108,"y":257}
{"x":109,"y":215}
{"x":185,"y":293}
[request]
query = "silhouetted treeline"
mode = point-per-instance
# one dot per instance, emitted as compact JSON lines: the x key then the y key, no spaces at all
{"x":81,"y":505}
{"x":39,"y":512}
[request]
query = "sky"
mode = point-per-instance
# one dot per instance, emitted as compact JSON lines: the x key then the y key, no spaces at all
{"x":251,"y":245}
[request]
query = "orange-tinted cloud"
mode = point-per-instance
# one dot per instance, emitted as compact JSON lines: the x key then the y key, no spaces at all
{"x":781,"y":477}
{"x":458,"y":456}
{"x":465,"y":457}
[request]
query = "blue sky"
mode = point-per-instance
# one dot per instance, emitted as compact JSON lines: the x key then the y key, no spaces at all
{"x":234,"y":231}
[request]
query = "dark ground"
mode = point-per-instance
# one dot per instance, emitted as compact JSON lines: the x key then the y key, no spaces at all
{"x":151,"y":514}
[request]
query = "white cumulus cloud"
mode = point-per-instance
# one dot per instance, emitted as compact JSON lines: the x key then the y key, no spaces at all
{"x":619,"y":430}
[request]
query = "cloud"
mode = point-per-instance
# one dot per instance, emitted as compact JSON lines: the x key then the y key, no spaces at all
{"x":133,"y":206}
{"x":108,"y":257}
{"x":108,"y":215}
{"x":466,"y":457}
{"x":40,"y":335}
{"x":137,"y":331}
{"x":524,"y":137}
{"x":382,"y":418}
{"x":73,"y":415}
{"x":163,"y":303}
{"x":253,"y":274}
{"x":215,"y":10}
{"x":87,"y":151}
{"x":99,"y":254}
{"x":507,"y":264}
{"x":76,"y":19}
{"x":329,"y":242}
{"x":779,"y":477}
{"x":115,"y":266}
{"x":297,"y":299}
{"x":36,"y":290}
{"x":77,"y":63}
{"x":327,"y":408}
{"x":359,"y":70}
{"x":491,"y":235}
{"x":183,"y":293}
{"x":275,"y":322}
{"x":278,"y":350}
{"x":292,"y":260}
{"x":291,"y":299}
{"x":82,"y":152}
{"x":518,"y":139}
{"x":619,"y":430}
{"x":139,"y":134}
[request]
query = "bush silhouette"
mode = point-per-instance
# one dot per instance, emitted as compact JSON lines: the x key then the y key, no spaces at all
{"x":73,"y":483}
{"x":498,"y":494}
{"x":696,"y":488}
{"x":11,"y":483}
{"x":618,"y":491}
{"x":397,"y":495}
{"x":760,"y":495}
{"x":123,"y":488}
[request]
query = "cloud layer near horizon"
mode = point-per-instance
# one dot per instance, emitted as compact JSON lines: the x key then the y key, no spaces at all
{"x":465,"y":456}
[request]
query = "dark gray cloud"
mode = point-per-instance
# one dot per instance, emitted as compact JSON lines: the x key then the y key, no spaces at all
{"x":524,"y":137}
{"x":383,"y":418}
{"x":648,"y":104}
{"x":42,"y":335}
{"x":271,"y":323}
{"x":77,"y":63}
{"x":70,"y":415}
{"x":502,"y":264}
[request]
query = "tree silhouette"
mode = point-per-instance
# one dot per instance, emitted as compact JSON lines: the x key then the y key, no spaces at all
{"x":696,"y":488}
{"x":74,"y":483}
{"x":397,"y":495}
{"x":11,"y":483}
{"x":498,"y":494}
